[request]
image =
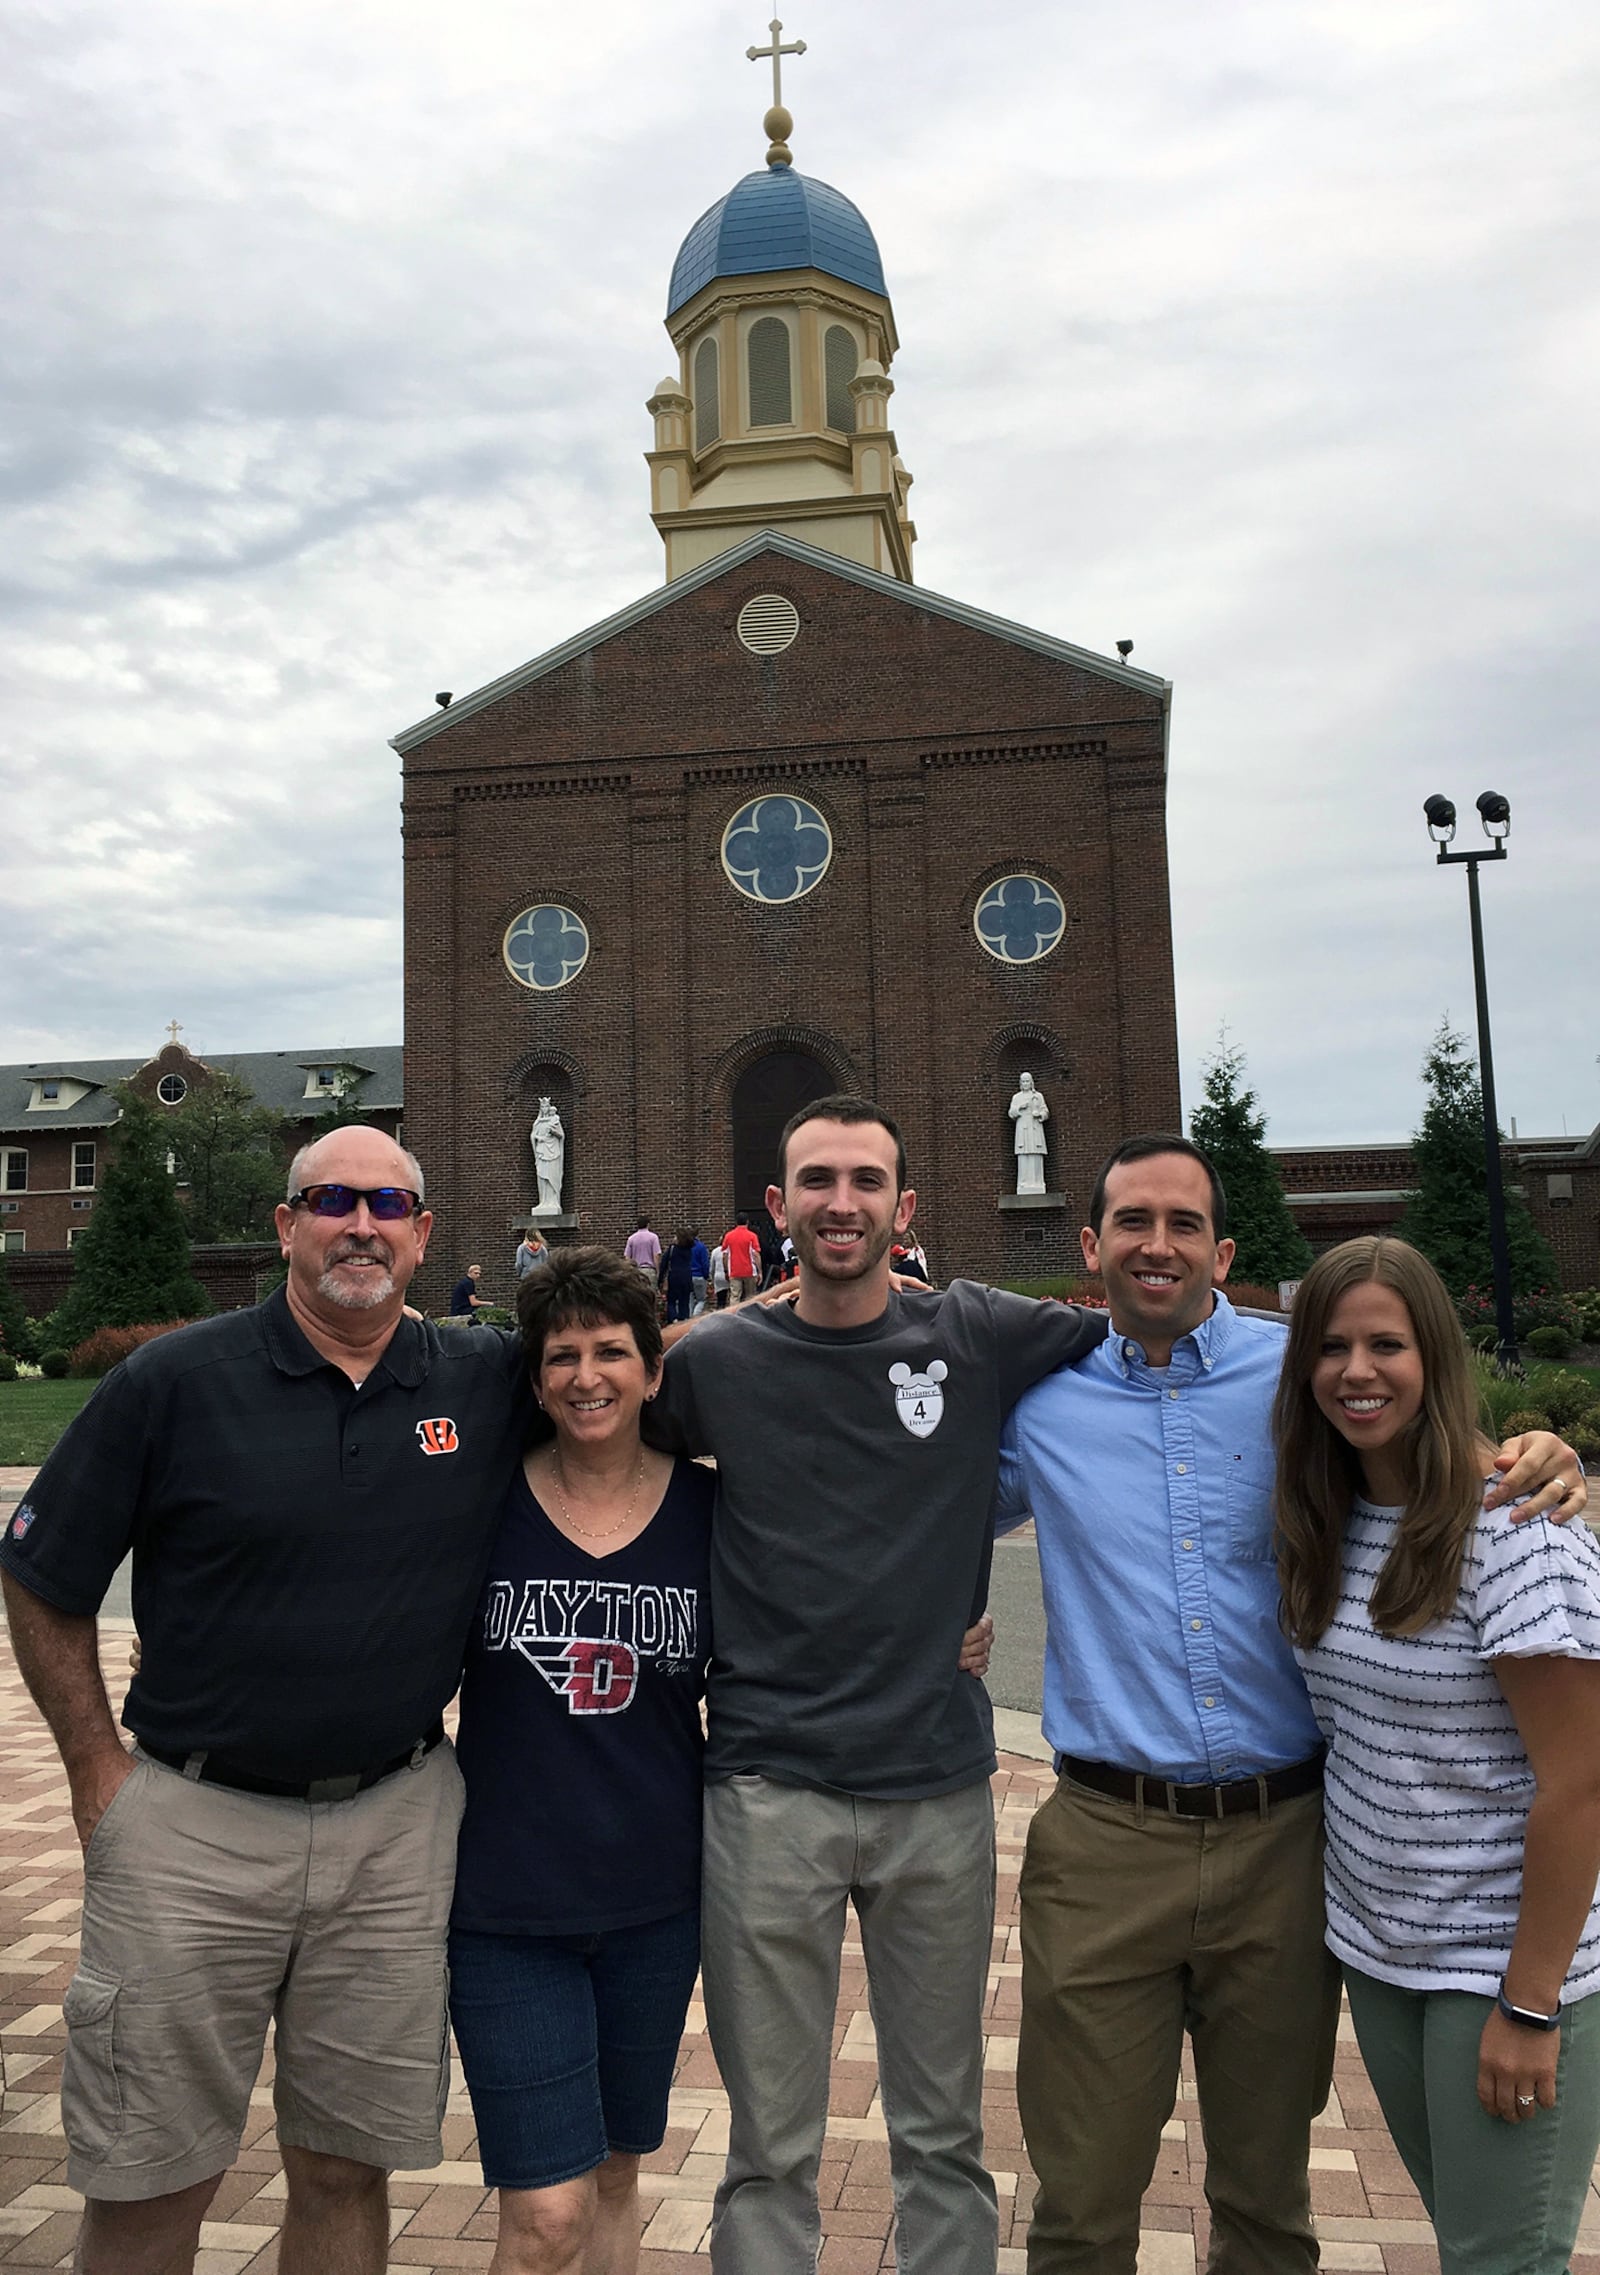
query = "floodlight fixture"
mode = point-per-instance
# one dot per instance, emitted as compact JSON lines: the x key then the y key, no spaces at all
{"x":1495,"y":812}
{"x":1441,"y":815}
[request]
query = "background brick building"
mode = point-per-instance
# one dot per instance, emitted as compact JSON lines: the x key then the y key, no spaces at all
{"x":1338,"y":1191}
{"x":788,"y":825}
{"x":58,"y":1120}
{"x":943,"y":751}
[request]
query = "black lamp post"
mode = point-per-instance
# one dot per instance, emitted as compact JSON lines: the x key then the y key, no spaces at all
{"x":1495,"y":813}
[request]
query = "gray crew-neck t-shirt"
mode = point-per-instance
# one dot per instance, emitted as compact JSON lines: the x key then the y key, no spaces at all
{"x":850,"y":1546}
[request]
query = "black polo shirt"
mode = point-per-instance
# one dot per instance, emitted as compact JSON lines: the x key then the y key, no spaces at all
{"x":306,"y":1555}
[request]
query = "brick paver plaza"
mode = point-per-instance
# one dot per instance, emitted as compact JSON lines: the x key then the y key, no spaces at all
{"x":1368,"y":2214}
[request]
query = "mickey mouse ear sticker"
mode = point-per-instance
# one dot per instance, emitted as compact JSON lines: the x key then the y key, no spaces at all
{"x":918,"y":1400}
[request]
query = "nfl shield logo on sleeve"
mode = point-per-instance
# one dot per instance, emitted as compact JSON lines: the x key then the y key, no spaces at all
{"x":918,"y":1400}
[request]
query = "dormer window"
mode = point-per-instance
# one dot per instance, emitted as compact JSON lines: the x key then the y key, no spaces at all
{"x":334,"y":1081}
{"x":52,"y":1092}
{"x":771,"y":389}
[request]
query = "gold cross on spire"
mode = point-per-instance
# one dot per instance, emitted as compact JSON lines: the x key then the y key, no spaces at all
{"x":777,"y":51}
{"x":778,"y":123}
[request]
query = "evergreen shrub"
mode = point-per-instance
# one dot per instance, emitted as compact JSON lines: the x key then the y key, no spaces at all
{"x":132,"y":1264}
{"x":1447,"y":1215}
{"x":1229,"y":1127}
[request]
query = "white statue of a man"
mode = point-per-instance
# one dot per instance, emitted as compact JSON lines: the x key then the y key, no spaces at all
{"x":1030,"y":1113}
{"x":549,"y":1142}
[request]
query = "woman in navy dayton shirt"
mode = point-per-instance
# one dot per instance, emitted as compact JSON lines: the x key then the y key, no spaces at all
{"x":574,"y":1939}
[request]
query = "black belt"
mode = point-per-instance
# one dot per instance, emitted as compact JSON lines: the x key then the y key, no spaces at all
{"x":1238,"y":1798}
{"x":207,"y":1770}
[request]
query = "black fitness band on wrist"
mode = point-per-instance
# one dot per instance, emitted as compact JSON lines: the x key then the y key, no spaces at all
{"x":1529,"y":2017}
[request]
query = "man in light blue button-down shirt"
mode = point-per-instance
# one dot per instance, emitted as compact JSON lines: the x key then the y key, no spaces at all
{"x":1174,"y":1878}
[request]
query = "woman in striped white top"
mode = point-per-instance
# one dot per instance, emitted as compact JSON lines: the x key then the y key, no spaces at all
{"x":1453,"y":1661}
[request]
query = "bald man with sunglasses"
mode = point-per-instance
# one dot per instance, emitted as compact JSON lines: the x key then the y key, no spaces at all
{"x":308,"y":1489}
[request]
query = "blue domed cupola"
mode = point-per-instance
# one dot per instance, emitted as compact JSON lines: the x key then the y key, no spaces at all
{"x":777,"y":219}
{"x":779,"y":415}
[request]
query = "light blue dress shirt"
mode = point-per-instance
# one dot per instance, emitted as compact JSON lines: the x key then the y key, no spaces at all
{"x":1151,"y":1489}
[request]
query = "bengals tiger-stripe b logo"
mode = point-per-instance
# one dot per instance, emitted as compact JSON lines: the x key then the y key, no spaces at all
{"x":438,"y":1436}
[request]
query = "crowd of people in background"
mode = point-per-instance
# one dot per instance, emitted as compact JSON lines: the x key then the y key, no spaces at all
{"x":689,"y":1276}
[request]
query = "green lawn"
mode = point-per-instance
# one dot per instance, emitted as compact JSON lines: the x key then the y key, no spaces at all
{"x":34,"y":1414}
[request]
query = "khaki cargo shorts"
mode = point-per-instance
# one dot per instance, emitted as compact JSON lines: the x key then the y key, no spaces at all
{"x":209,"y":1913}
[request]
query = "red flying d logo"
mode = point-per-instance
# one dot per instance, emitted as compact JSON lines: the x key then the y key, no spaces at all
{"x":599,"y":1678}
{"x":438,"y":1436}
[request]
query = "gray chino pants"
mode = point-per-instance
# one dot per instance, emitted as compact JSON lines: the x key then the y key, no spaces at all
{"x":781,"y":1863}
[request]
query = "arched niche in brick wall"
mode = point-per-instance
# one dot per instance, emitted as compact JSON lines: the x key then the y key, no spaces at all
{"x":1031,"y":1050}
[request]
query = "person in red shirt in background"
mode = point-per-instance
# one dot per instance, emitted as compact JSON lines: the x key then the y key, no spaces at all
{"x":744,"y":1260}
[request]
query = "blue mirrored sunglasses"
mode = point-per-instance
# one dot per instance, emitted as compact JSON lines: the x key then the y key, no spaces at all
{"x":386,"y":1202}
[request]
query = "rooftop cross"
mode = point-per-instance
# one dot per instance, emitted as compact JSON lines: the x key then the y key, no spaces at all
{"x":777,"y":51}
{"x":173,"y":1029}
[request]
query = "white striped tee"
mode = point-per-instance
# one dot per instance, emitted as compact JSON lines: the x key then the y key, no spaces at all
{"x":1428,"y":1783}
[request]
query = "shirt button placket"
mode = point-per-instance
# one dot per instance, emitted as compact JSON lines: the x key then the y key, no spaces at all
{"x":1194,"y":1603}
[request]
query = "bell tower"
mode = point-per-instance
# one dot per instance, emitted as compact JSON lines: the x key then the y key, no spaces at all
{"x":778,"y":417}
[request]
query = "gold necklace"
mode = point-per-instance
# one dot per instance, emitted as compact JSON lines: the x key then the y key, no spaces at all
{"x":587,"y":1532}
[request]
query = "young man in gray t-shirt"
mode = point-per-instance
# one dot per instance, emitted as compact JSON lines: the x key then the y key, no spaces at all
{"x":856,"y":1437}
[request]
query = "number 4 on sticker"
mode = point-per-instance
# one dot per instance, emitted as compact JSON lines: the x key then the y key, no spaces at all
{"x":918,"y":1399}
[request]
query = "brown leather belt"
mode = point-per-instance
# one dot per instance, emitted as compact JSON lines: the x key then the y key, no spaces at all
{"x":1239,"y":1797}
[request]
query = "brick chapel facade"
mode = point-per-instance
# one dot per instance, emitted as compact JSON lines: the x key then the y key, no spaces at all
{"x":788,"y":824}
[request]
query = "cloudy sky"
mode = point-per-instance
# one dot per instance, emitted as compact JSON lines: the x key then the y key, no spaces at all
{"x":1264,"y":333}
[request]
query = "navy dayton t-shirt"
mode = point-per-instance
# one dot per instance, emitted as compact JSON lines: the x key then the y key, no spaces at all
{"x":580,"y":1723}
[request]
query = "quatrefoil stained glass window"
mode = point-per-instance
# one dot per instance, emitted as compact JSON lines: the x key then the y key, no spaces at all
{"x":776,"y":849}
{"x":1019,"y":919}
{"x":545,"y":947}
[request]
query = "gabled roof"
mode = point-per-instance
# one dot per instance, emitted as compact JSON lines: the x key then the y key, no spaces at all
{"x":749,"y":549}
{"x":97,"y":1111}
{"x":278,"y":1078}
{"x":273,"y":1078}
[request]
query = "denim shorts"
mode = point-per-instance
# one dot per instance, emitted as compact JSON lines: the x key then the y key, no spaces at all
{"x":568,"y":2043}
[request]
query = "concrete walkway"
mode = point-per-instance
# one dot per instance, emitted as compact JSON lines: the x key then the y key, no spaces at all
{"x":1368,"y":2215}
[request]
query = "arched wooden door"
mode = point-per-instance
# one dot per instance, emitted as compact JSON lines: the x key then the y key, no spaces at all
{"x":764,"y":1097}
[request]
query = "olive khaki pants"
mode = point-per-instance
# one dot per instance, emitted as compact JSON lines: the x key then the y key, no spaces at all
{"x":1137,"y":1925}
